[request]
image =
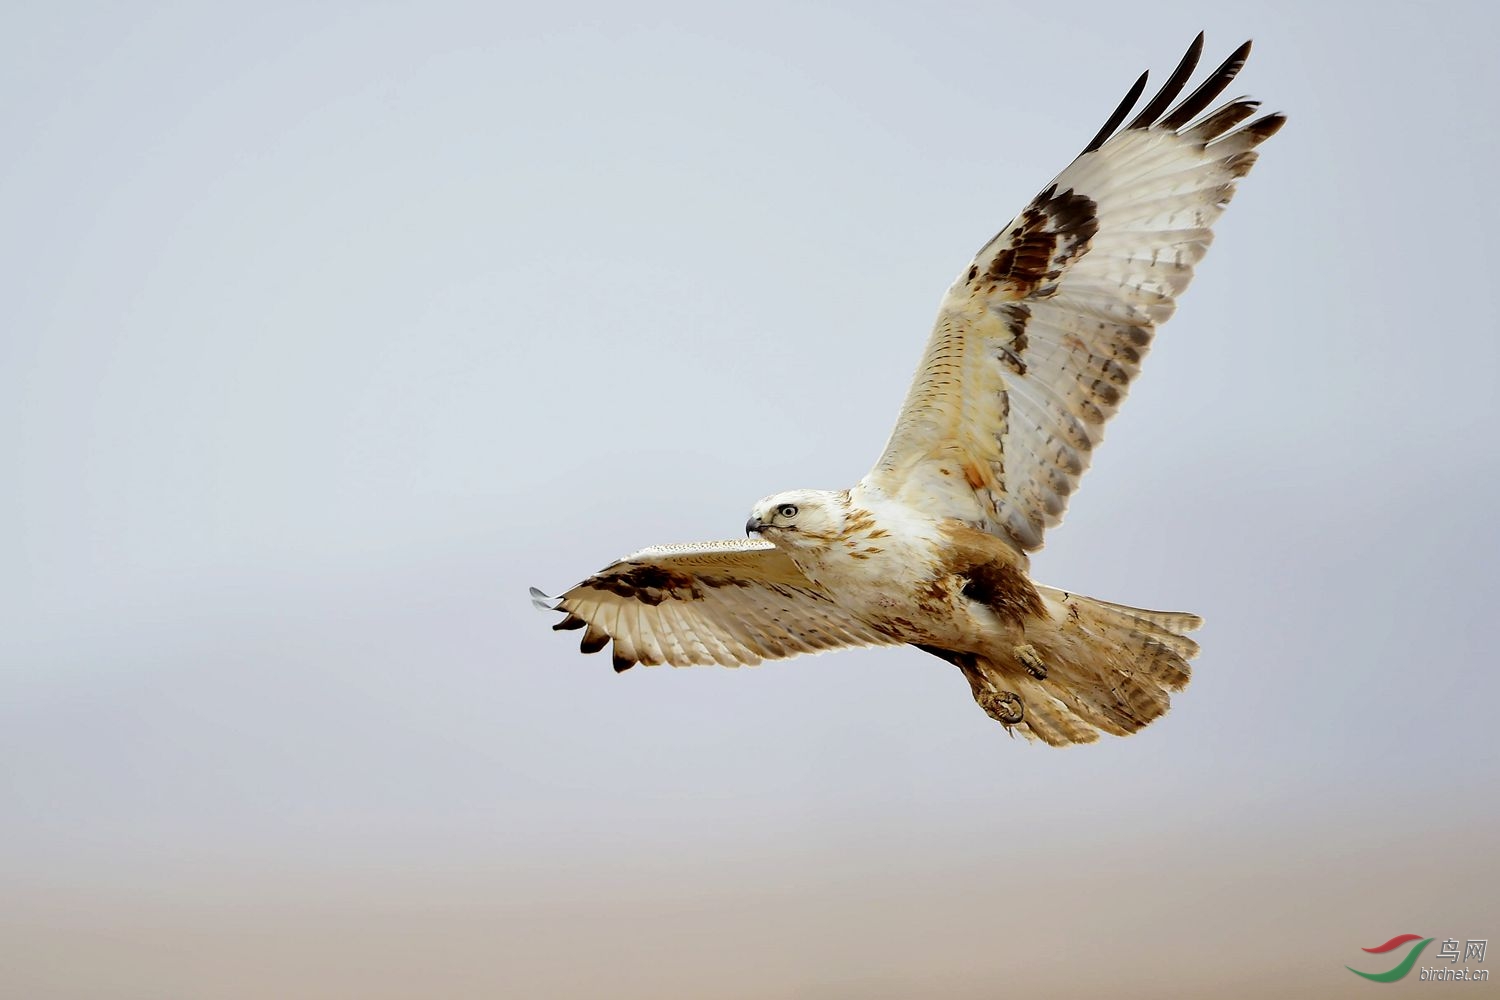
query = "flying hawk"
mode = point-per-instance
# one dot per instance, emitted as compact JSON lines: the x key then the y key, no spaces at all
{"x":1035,"y":346}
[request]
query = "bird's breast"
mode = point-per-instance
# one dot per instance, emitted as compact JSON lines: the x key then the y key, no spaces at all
{"x":890,"y":578}
{"x":943,"y":584}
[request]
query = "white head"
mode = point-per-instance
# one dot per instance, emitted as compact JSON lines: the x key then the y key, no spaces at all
{"x":799,"y":518}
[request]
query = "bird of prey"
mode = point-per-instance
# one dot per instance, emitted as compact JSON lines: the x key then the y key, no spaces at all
{"x":1034,"y":347}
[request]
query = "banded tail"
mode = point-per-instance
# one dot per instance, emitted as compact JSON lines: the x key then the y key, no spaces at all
{"x":1088,"y":666}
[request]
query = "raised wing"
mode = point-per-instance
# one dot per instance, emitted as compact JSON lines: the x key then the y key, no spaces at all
{"x":1039,"y":339}
{"x":733,"y":603}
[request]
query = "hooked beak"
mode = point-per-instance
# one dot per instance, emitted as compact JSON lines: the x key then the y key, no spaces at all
{"x":753,"y":527}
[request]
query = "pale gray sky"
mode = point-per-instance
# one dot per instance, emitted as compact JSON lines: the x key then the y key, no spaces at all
{"x":331,"y":328}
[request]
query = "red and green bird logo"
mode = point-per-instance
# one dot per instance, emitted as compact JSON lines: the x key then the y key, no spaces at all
{"x":1404,"y":966}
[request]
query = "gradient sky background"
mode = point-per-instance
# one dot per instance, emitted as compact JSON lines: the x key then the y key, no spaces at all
{"x":329,"y":329}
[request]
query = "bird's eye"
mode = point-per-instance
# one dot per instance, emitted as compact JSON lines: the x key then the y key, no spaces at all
{"x":787,"y":510}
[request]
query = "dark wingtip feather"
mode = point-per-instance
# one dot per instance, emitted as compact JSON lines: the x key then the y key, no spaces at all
{"x":1119,"y":114}
{"x":1265,"y":127}
{"x":1222,"y":120}
{"x":1209,"y":89}
{"x":1256,"y":132}
{"x":1169,"y":90}
{"x":569,"y":623}
{"x":622,"y":663}
{"x":1216,"y":125}
{"x":593,"y":641}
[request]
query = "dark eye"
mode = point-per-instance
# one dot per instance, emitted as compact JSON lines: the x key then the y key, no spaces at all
{"x":787,"y":510}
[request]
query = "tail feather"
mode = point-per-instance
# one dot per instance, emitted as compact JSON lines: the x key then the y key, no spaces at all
{"x":1134,"y":640}
{"x":1119,"y":705}
{"x":1052,"y":720}
{"x":1137,"y":629}
{"x":1175,"y":622}
{"x":1104,"y":667}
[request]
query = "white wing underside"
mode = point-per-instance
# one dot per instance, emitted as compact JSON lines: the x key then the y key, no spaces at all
{"x":1038,"y":340}
{"x":731,"y":603}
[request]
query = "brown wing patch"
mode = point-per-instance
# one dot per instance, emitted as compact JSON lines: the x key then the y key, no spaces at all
{"x":651,"y":584}
{"x":1015,"y":316}
{"x":1005,"y":589}
{"x":1054,"y":230}
{"x":990,"y":572}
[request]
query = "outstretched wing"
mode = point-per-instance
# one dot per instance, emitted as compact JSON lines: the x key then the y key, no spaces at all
{"x":1039,"y":339}
{"x":733,"y":603}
